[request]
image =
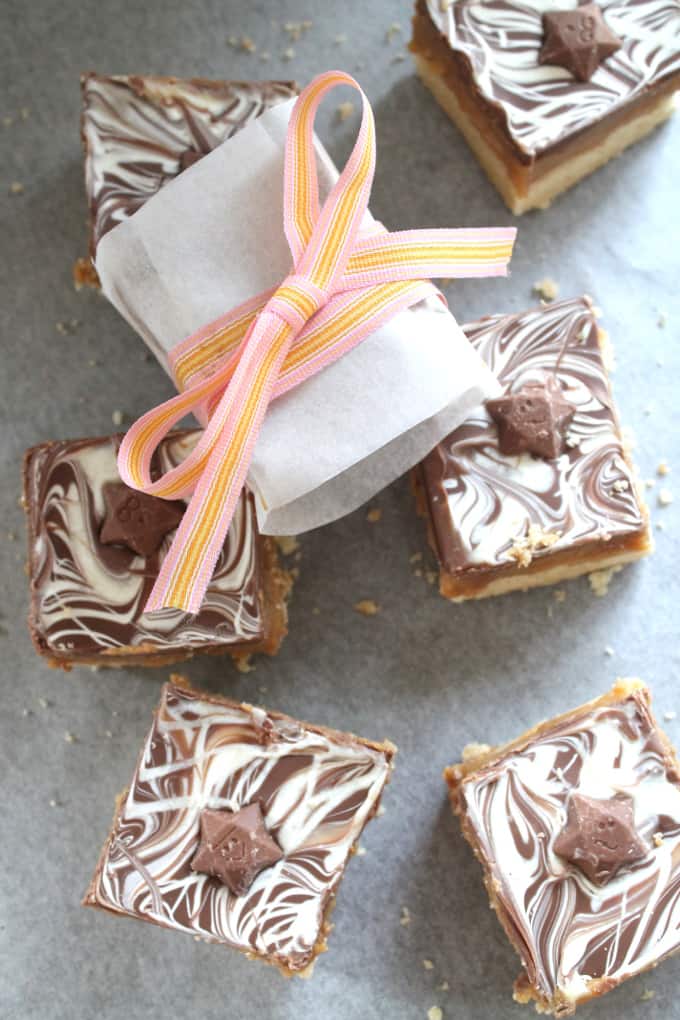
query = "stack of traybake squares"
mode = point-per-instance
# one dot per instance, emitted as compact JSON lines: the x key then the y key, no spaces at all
{"x":238,"y":822}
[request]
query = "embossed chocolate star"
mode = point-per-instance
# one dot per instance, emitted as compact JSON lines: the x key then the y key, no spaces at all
{"x":235,"y":847}
{"x":600,"y":836}
{"x":136,"y":520}
{"x":578,"y":40}
{"x":534,"y":419}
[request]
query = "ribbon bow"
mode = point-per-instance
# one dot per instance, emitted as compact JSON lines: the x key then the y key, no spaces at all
{"x":345,"y":283}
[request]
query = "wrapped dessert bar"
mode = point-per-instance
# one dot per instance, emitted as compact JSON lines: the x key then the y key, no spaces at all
{"x":140,"y":131}
{"x":536,"y":486}
{"x":546,"y":91}
{"x":238,"y":826}
{"x":238,"y":231}
{"x":95,"y":549}
{"x":577,"y":827}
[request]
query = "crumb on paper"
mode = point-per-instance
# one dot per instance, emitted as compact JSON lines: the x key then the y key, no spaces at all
{"x":663,"y":468}
{"x":609,"y":651}
{"x":650,"y":483}
{"x":621,"y":485}
{"x":344,"y":111}
{"x":117,"y":417}
{"x":559,"y":595}
{"x":340,"y":39}
{"x":405,"y":918}
{"x":536,"y":538}
{"x":361,"y":851}
{"x":415,"y":557}
{"x":16,"y":188}
{"x":660,"y":526}
{"x":232,"y":41}
{"x":316,"y":611}
{"x":547,"y":289}
{"x":288,"y":54}
{"x":70,"y":738}
{"x":43,"y":702}
{"x":430,"y":576}
{"x":265,"y":56}
{"x":661,"y":320}
{"x":53,"y":802}
{"x":108,"y":734}
{"x":647,"y":995}
{"x":398,"y":58}
{"x":374,"y":515}
{"x":380,"y":812}
{"x":599,"y":580}
{"x":434,"y":1013}
{"x":669,"y":716}
{"x":288,"y":544}
{"x":474,"y":750}
{"x":443,"y":987}
{"x":296,"y":29}
{"x":392,"y":31}
{"x":367,"y":607}
{"x":665,"y":497}
{"x":428,"y":965}
{"x":243,"y":664}
{"x":247,"y":44}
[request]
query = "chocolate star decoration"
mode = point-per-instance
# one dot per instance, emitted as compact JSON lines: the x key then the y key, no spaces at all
{"x":136,"y":520}
{"x":235,"y":847}
{"x":578,"y":40}
{"x":600,"y":836}
{"x":534,"y":419}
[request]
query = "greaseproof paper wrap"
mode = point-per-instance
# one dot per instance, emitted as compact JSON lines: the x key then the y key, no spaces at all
{"x":213,"y":237}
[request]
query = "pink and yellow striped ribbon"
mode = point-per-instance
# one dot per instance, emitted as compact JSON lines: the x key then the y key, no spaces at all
{"x":345,"y":283}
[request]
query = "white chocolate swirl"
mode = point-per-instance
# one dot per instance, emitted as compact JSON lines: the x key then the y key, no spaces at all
{"x":484,"y":502}
{"x":136,"y":131}
{"x":317,"y":789}
{"x":573,"y":932}
{"x":88,"y":598}
{"x":543,"y":104}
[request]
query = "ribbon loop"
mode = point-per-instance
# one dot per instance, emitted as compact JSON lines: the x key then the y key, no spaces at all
{"x":349,"y":276}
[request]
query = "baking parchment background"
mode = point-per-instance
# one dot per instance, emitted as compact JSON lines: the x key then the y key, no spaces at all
{"x":429,"y":675}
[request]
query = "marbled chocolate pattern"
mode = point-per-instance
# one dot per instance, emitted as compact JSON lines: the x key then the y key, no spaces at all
{"x":137,"y":129}
{"x":501,"y":39}
{"x":316,"y":791}
{"x":482,"y":501}
{"x":572,"y":930}
{"x":88,"y":597}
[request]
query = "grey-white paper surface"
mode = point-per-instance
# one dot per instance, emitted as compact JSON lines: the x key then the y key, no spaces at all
{"x":429,"y":675}
{"x":211,"y":239}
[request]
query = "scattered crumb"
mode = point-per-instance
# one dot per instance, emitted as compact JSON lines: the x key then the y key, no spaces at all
{"x":11,"y":536}
{"x":53,"y":803}
{"x":650,"y":483}
{"x":415,"y":558}
{"x":547,"y":289}
{"x":620,"y":485}
{"x":405,"y":918}
{"x":361,"y":851}
{"x":599,"y":580}
{"x":43,"y":702}
{"x":647,"y":995}
{"x":669,"y":716}
{"x":392,"y":31}
{"x":648,"y":410}
{"x":316,"y":611}
{"x":243,"y":664}
{"x":340,"y":39}
{"x":108,"y":734}
{"x":247,"y":44}
{"x":398,"y":58}
{"x":374,"y":515}
{"x":8,"y":121}
{"x":443,"y":987}
{"x":25,"y":712}
{"x":295,"y":29}
{"x":660,"y":526}
{"x":380,"y":812}
{"x":434,"y":1013}
{"x":658,"y":838}
{"x":265,"y":55}
{"x":609,"y":651}
{"x":661,"y":321}
{"x":288,"y":54}
{"x":665,"y":497}
{"x":288,"y":544}
{"x":367,"y":607}
{"x":417,"y":572}
{"x":536,"y":538}
{"x":69,"y":738}
{"x":430,"y":576}
{"x":16,"y":188}
{"x":428,"y":965}
{"x":25,"y":112}
{"x":560,"y":595}
{"x":232,"y":41}
{"x":345,"y":110}
{"x":117,"y":417}
{"x":663,"y":468}
{"x":474,"y":750}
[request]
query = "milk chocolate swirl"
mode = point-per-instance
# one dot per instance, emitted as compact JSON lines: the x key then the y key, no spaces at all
{"x":542,"y":104}
{"x":483,"y":501}
{"x":573,"y":931}
{"x":140,"y":132}
{"x":316,"y":789}
{"x":89,"y":597}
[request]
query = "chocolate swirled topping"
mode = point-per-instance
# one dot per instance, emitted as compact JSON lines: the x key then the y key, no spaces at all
{"x":482,"y":501}
{"x":542,"y":103}
{"x":578,"y":826}
{"x":88,"y":595}
{"x":215,"y":774}
{"x":140,"y":132}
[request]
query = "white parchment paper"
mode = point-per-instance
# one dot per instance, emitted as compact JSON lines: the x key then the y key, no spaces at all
{"x":213,"y":237}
